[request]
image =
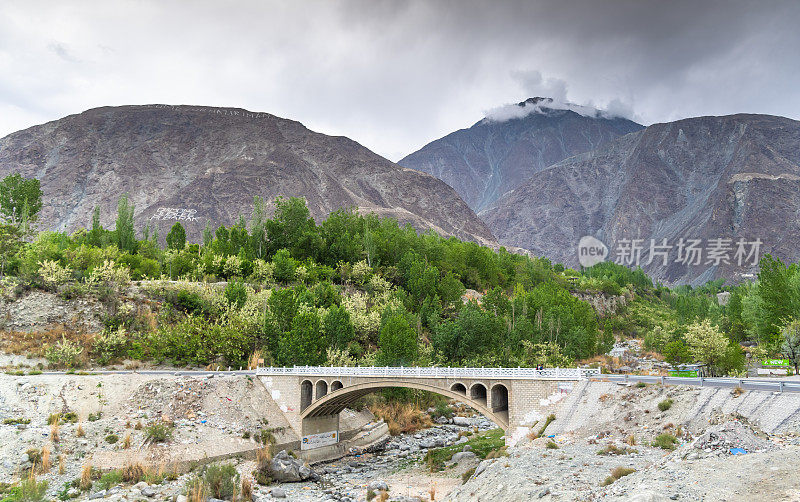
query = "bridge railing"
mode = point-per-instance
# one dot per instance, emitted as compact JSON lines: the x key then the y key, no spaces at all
{"x":433,"y":372}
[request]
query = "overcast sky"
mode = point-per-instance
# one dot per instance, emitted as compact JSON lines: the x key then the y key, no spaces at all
{"x":394,"y":75}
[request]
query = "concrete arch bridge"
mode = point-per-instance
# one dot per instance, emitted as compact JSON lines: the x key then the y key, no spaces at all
{"x":312,"y":397}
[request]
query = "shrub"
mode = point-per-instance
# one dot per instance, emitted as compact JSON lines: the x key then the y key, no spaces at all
{"x":191,"y":303}
{"x":64,"y":353}
{"x":112,"y":438}
{"x":665,"y":441}
{"x":236,"y":294}
{"x":490,"y":444}
{"x":158,"y":432}
{"x":16,"y":421}
{"x":617,"y":473}
{"x":53,"y":274}
{"x":665,"y":405}
{"x":221,"y":480}
{"x":110,"y":479}
{"x":29,"y":490}
{"x":551,"y":445}
{"x":467,"y":474}
{"x":110,"y":344}
{"x":441,"y":410}
{"x":110,"y":273}
{"x":613,"y":449}
{"x":641,"y":385}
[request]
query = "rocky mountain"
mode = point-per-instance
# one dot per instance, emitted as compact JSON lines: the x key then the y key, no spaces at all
{"x":200,"y":164}
{"x":733,"y":178}
{"x":512,"y":144}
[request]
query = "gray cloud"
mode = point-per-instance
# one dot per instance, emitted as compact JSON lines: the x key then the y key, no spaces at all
{"x":394,"y":75}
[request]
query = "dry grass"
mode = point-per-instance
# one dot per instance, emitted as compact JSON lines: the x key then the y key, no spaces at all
{"x":54,"y":432}
{"x":432,"y":490}
{"x":133,"y":472}
{"x":138,"y":426}
{"x":383,"y":496}
{"x":45,"y":467}
{"x":86,"y":476}
{"x":197,"y":493}
{"x":80,"y":432}
{"x":264,"y":454}
{"x":631,"y":440}
{"x":126,"y":443}
{"x":737,"y":391}
{"x":247,"y":489}
{"x":255,"y":358}
{"x":133,"y":365}
{"x":402,"y":418}
{"x":62,"y":464}
{"x":616,"y":474}
{"x":605,"y":397}
{"x":35,"y":344}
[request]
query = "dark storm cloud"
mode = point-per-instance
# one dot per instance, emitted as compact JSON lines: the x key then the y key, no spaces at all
{"x":395,"y":74}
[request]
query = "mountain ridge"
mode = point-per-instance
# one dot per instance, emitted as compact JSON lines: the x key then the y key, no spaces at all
{"x":491,"y":157}
{"x":208,"y":163}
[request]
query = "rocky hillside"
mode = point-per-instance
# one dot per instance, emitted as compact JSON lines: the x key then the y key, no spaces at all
{"x":731,"y":177}
{"x":499,"y":153}
{"x":204,"y":164}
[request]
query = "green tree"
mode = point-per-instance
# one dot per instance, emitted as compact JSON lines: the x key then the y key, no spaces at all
{"x":293,"y":228}
{"x":208,"y":235}
{"x":125,"y":234}
{"x":176,"y":238}
{"x":475,"y":331}
{"x":96,"y":233}
{"x":707,"y":344}
{"x":258,"y":228}
{"x":304,"y":344}
{"x":285,"y":266}
{"x":397,"y":343}
{"x":791,"y":342}
{"x":10,"y":243}
{"x":773,"y":287}
{"x":20,"y":198}
{"x":338,"y":327}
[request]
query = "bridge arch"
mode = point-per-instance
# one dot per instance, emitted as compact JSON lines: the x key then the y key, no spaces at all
{"x":478,"y":393}
{"x":336,"y":385}
{"x":320,"y":389}
{"x":460,"y":388}
{"x":306,"y":394}
{"x":335,"y":402}
{"x":499,"y":398}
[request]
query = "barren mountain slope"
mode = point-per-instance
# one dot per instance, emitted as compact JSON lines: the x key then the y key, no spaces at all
{"x":731,"y":177}
{"x":200,"y":164}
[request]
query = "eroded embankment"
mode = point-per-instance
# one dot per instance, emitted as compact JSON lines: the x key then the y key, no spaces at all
{"x":657,"y":443}
{"x":106,"y":420}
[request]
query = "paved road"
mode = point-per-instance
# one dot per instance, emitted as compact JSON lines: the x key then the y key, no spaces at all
{"x":761,"y":384}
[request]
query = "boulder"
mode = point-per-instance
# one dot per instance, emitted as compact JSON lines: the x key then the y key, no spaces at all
{"x":461,"y":421}
{"x":378,"y":485}
{"x":278,"y":493}
{"x":287,"y":469}
{"x":463,"y":456}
